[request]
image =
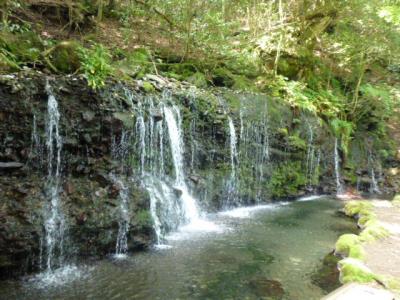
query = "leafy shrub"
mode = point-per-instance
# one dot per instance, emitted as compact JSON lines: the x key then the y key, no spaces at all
{"x":286,"y":179}
{"x":95,"y":65}
{"x":144,"y":219}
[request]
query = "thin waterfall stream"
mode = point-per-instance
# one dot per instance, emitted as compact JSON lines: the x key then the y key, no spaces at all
{"x":55,"y":226}
{"x":339,"y":188}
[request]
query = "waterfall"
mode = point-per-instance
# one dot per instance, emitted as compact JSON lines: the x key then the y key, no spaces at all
{"x":54,"y":225}
{"x":311,"y":164}
{"x":339,"y":188}
{"x":120,"y":152}
{"x":159,"y":152}
{"x":121,"y":247}
{"x":233,"y":143}
{"x":374,"y":183}
{"x":232,"y":183}
{"x":141,"y":132}
{"x":374,"y":188}
{"x":173,"y":120}
{"x":255,"y":145}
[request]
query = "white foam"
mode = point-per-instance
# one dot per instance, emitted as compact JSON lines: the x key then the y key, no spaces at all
{"x":246,"y":212}
{"x":120,"y":256}
{"x":197,"y":226}
{"x":310,"y":198}
{"x":58,"y":276}
{"x":201,"y":225}
{"x":162,"y":247}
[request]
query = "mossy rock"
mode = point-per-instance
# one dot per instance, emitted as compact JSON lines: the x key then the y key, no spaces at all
{"x":354,"y":208}
{"x":198,"y":79}
{"x":373,"y":231}
{"x":144,"y":219}
{"x":349,"y":245}
{"x":353,"y":270}
{"x":365,"y":220}
{"x":242,"y":83}
{"x":327,"y":276}
{"x":180,"y":71}
{"x":148,"y":87}
{"x":65,"y":58}
{"x":223,"y":77}
{"x":126,"y":118}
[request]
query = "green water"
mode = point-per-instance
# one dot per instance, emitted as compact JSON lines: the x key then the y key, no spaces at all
{"x":284,"y":244}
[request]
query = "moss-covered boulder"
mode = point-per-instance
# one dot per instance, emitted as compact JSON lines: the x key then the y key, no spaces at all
{"x":353,"y":270}
{"x":349,"y":245}
{"x":198,"y":79}
{"x":355,"y":207}
{"x":373,"y":231}
{"x":64,"y":57}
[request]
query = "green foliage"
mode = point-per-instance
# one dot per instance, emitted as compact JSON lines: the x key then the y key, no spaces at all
{"x":21,"y":48}
{"x":95,"y":65}
{"x":143,"y":219}
{"x":296,"y":142}
{"x":286,"y":179}
{"x":343,"y":130}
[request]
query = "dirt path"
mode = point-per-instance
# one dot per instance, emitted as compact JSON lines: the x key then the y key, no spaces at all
{"x":383,"y":256}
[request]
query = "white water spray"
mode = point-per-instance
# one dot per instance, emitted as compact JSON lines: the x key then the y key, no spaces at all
{"x":121,"y":247}
{"x":55,"y":223}
{"x":339,"y":188}
{"x":173,"y":120}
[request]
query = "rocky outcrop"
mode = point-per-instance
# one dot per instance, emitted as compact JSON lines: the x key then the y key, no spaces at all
{"x":281,"y":153}
{"x":89,"y":196}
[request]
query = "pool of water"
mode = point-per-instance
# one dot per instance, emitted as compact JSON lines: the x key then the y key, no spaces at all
{"x":253,"y":253}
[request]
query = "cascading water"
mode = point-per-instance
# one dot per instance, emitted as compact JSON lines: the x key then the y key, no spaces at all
{"x":339,"y":188}
{"x":121,"y":247}
{"x":120,"y":152}
{"x":232,"y":184}
{"x":374,"y":188}
{"x":312,"y":159}
{"x":173,"y":120}
{"x":374,"y":183}
{"x":54,"y":225}
{"x":233,"y":143}
{"x":254,"y":144}
{"x":161,"y":168}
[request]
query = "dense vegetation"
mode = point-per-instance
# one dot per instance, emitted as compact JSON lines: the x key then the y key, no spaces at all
{"x":338,"y":59}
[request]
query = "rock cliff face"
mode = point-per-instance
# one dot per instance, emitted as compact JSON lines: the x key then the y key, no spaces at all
{"x":238,"y":149}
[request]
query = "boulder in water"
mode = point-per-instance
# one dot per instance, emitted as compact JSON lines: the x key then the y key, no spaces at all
{"x":177,"y":191}
{"x":269,"y":288}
